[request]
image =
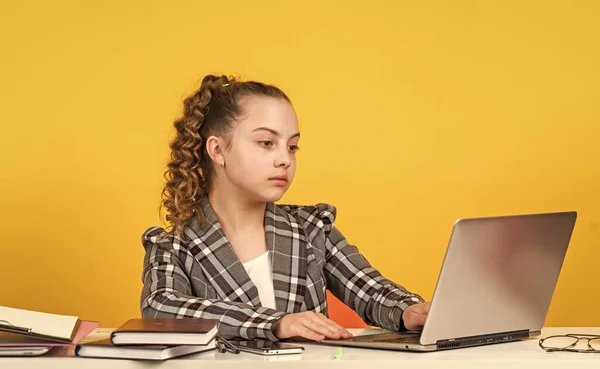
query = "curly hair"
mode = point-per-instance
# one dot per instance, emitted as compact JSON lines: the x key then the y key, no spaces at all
{"x":212,"y":110}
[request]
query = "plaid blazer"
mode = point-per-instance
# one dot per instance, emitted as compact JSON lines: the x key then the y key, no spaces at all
{"x":198,"y":275}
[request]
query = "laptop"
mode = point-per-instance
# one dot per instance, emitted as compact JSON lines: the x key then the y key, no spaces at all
{"x":495,"y":285}
{"x":24,"y":350}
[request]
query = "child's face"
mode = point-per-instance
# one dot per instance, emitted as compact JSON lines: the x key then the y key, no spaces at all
{"x":261,"y":160}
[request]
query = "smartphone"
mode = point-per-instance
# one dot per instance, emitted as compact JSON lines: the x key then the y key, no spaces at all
{"x":264,"y":347}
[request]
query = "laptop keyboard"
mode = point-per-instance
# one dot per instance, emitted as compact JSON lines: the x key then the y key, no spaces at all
{"x":407,"y":338}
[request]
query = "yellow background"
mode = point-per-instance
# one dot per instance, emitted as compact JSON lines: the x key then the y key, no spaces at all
{"x":412,"y":114}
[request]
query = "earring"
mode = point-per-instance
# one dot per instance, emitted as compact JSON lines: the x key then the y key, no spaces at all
{"x":223,"y":163}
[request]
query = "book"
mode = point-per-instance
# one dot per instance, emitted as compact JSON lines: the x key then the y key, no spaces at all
{"x":20,"y":327}
{"x":171,"y":332}
{"x":105,"y":349}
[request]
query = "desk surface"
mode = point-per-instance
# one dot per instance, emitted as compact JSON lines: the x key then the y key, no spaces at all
{"x":514,"y":355}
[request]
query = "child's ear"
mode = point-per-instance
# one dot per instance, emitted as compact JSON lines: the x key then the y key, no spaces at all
{"x":214,"y":147}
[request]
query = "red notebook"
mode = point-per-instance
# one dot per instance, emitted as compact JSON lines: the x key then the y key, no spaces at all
{"x":169,"y":332}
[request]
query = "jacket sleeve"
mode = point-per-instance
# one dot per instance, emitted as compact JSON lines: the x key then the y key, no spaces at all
{"x":167,"y":292}
{"x":352,"y":279}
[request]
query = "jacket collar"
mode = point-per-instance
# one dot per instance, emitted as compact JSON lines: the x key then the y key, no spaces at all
{"x":287,"y":245}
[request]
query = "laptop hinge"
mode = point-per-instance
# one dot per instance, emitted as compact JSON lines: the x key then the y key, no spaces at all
{"x":486,"y":339}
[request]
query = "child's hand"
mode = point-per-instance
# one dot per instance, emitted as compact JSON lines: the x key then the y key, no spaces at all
{"x":308,"y":324}
{"x":414,"y":316}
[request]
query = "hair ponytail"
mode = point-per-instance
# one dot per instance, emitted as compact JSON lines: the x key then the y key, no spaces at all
{"x":211,"y":110}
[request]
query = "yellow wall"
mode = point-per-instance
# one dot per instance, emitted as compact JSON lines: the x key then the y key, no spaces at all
{"x":412,"y":115}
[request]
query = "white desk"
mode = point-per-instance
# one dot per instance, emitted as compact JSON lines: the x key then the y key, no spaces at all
{"x":514,"y":355}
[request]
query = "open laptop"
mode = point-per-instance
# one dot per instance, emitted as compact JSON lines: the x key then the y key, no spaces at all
{"x":495,"y":285}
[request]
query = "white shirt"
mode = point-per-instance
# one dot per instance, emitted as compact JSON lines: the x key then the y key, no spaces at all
{"x":261,"y":275}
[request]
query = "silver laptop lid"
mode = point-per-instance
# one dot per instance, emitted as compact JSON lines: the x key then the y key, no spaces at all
{"x":498,"y":275}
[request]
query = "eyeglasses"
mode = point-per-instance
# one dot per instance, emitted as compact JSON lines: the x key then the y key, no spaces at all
{"x":225,"y":346}
{"x":587,"y":343}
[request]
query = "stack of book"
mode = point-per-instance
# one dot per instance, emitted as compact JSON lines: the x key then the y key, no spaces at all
{"x":154,"y":339}
{"x":32,"y":333}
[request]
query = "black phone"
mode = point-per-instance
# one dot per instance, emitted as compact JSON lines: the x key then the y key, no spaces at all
{"x":264,"y":347}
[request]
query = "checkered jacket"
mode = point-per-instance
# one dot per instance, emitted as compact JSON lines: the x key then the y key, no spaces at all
{"x":198,"y":275}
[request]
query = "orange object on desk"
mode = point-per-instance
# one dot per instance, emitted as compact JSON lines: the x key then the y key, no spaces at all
{"x":342,"y":314}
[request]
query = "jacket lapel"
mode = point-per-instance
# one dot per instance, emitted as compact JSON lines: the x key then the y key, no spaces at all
{"x":287,"y":245}
{"x":219,"y":262}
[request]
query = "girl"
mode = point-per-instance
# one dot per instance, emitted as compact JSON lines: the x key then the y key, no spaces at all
{"x":231,"y":254}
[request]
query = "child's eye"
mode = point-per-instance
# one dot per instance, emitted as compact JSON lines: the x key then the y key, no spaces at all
{"x":293,"y":148}
{"x":266,"y":143}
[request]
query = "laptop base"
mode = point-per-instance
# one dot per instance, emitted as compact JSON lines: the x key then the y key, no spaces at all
{"x":410,"y":341}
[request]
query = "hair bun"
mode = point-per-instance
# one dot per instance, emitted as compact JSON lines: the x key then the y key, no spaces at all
{"x":211,"y":79}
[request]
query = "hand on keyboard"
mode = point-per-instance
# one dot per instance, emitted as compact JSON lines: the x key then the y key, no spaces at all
{"x":414,"y":316}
